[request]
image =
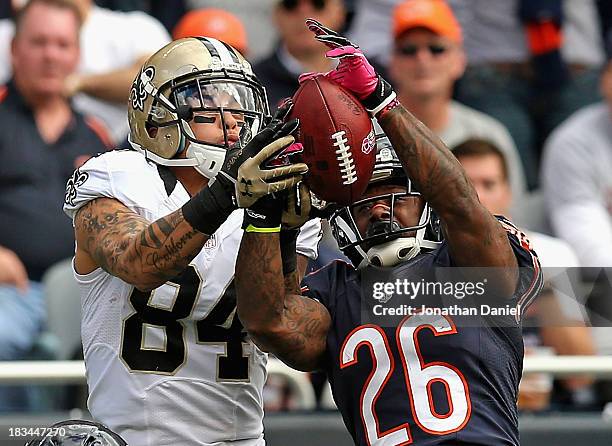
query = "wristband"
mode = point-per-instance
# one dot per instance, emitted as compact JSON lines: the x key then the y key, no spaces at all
{"x":288,"y":241}
{"x":208,"y":209}
{"x":251,"y":228}
{"x":390,"y":106}
{"x":382,"y":95}
{"x":264,"y":216}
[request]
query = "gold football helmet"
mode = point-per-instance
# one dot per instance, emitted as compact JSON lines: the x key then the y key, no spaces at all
{"x":197,"y":75}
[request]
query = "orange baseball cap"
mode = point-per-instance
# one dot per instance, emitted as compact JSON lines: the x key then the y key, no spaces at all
{"x":434,"y":15}
{"x":216,"y":23}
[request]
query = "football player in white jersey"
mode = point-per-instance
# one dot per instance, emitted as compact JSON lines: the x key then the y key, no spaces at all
{"x":157,"y":233}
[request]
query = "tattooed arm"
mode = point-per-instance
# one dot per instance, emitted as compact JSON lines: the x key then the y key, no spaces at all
{"x":475,"y":238}
{"x":144,"y":254}
{"x":292,"y":327}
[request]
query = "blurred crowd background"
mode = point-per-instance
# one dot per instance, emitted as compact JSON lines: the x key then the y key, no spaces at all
{"x":521,"y":90}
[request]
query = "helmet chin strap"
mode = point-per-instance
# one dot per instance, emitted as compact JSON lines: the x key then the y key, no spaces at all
{"x":209,"y":158}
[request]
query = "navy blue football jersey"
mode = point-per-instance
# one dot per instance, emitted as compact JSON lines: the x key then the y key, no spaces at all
{"x":421,"y":378}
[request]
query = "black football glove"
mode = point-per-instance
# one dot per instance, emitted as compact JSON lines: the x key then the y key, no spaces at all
{"x":243,"y":180}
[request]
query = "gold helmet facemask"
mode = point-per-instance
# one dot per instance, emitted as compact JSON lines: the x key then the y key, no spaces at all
{"x":217,"y":83}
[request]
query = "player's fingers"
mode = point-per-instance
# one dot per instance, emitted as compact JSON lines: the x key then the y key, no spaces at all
{"x":292,"y":149}
{"x":288,"y":128}
{"x":285,"y":183}
{"x":265,"y":135}
{"x":304,"y":192}
{"x":333,"y":41}
{"x":283,"y":109}
{"x":272,"y":148}
{"x":328,"y":42}
{"x":318,"y":28}
{"x":292,"y":169}
{"x":343,"y":51}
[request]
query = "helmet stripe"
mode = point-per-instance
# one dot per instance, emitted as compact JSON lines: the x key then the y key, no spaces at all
{"x":224,"y":54}
{"x":232,"y":52}
{"x":209,"y":46}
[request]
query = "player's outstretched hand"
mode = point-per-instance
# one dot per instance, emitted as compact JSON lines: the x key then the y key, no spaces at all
{"x":255,"y":177}
{"x":353,"y":72}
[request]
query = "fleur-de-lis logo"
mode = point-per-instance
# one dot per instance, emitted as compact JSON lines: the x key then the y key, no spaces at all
{"x":77,"y":179}
{"x":138,"y":92}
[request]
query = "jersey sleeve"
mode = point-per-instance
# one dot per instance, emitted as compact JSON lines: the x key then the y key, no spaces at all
{"x":323,"y":284}
{"x":530,"y":273}
{"x":309,"y":238}
{"x":531,"y":279}
{"x":110,"y":175}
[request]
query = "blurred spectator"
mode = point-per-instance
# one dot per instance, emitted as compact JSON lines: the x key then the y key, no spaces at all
{"x":605,"y":14}
{"x":297,"y":52}
{"x":577,"y":183}
{"x":370,"y":27}
{"x":42,"y":140}
{"x":168,"y":12}
{"x":577,"y":179}
{"x":5,"y":10}
{"x":554,"y":320}
{"x":256,"y":17}
{"x":216,"y":23}
{"x":114,"y":45}
{"x":531,"y":64}
{"x":427,"y":60}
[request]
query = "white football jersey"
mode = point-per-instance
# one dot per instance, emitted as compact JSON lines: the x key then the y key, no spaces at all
{"x":173,"y":366}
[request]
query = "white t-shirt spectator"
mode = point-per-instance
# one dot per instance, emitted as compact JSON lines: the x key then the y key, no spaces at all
{"x":111,"y":40}
{"x":577,"y":181}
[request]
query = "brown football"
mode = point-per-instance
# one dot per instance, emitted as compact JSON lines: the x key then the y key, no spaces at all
{"x":338,"y":138}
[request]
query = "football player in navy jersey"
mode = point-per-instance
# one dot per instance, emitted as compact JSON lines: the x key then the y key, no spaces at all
{"x":418,"y":378}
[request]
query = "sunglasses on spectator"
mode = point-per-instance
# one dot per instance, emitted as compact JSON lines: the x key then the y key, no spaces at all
{"x":412,"y":50}
{"x":290,"y":5}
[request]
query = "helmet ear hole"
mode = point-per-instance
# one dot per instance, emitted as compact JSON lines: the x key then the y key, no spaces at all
{"x":376,"y":261}
{"x":151,"y":130}
{"x":404,"y":252}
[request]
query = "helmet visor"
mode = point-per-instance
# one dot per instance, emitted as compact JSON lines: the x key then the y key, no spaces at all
{"x":207,"y":95}
{"x":231,"y":102}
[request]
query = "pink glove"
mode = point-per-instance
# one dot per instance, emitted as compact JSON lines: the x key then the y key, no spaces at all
{"x":353,"y":72}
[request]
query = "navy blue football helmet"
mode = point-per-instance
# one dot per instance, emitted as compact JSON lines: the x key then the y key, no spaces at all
{"x":385,"y":243}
